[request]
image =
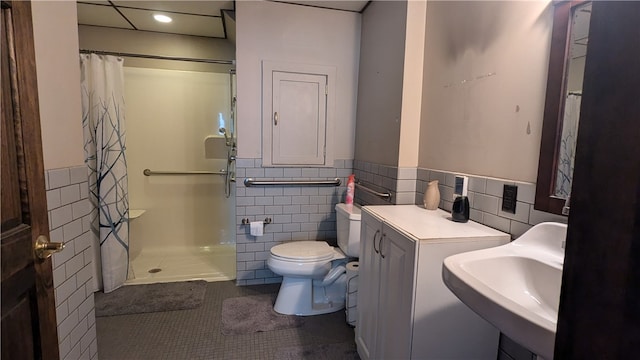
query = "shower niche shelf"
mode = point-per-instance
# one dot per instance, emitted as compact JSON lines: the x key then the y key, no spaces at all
{"x":135,"y":213}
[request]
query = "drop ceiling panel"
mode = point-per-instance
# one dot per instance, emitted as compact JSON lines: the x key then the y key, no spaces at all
{"x":351,"y":5}
{"x":101,"y":16}
{"x":182,"y":24}
{"x":95,"y":2}
{"x":189,"y":7}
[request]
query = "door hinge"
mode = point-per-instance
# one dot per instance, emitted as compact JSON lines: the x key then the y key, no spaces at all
{"x":326,"y":89}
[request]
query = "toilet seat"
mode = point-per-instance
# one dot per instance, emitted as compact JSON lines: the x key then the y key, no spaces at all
{"x":303,"y":251}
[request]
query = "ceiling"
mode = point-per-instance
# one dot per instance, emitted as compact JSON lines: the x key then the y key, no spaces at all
{"x":346,"y":5}
{"x":198,"y":18}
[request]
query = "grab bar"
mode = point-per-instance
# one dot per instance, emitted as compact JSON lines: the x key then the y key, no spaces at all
{"x":148,"y":172}
{"x":385,"y":195}
{"x":252,"y":182}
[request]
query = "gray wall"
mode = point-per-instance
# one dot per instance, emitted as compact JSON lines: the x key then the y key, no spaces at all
{"x":484,"y":87}
{"x":379,"y":104}
{"x":144,"y":42}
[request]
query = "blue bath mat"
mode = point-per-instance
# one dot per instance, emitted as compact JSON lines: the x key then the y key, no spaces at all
{"x":251,"y":314}
{"x":137,"y":299}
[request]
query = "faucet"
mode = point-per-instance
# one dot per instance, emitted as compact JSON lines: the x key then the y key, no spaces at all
{"x":223,"y":131}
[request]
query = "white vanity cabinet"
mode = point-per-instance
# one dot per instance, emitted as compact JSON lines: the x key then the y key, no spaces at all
{"x":404,"y":309}
{"x":368,"y":286}
{"x":387,"y":283}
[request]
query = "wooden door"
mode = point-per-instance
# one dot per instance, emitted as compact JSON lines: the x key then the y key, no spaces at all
{"x":28,"y":308}
{"x":599,"y":314}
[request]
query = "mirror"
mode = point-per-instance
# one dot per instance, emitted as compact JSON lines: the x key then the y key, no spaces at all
{"x":569,"y":41}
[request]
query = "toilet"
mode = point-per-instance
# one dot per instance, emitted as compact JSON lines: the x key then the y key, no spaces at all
{"x":314,"y":279}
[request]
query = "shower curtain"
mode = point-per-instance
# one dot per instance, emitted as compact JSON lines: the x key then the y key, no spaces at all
{"x":102,"y":82}
{"x":566,"y":156}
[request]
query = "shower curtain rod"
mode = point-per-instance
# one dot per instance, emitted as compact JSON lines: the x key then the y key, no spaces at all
{"x":158,"y":57}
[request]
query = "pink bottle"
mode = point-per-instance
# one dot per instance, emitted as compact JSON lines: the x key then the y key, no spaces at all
{"x":350,"y":189}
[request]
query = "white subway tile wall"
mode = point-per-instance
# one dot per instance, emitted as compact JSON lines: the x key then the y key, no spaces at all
{"x":69,"y":217}
{"x":407,"y":186}
{"x":296,"y":212}
{"x":485,"y":198}
{"x":401,"y":183}
{"x":307,"y":213}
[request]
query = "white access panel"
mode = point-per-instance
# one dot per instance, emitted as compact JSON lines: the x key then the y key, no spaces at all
{"x":299,"y":119}
{"x":298,"y":105}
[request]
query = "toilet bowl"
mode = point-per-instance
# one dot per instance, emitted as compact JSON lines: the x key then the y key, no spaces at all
{"x":313,"y":273}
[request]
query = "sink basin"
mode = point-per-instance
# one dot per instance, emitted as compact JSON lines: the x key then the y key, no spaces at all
{"x":516,"y":287}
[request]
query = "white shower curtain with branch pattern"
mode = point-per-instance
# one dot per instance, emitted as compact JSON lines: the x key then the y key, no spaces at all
{"x":102,"y":81}
{"x":567,"y":151}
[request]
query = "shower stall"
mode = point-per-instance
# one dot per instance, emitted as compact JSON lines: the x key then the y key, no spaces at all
{"x":180,"y":162}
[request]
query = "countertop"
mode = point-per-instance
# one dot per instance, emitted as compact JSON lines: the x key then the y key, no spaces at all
{"x":431,"y":225}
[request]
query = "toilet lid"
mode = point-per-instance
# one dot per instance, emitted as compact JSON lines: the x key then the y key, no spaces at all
{"x":304,"y":251}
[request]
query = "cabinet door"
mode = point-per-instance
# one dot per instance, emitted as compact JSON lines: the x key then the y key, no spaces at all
{"x":299,"y":119}
{"x":397,"y":289}
{"x":368,"y":286}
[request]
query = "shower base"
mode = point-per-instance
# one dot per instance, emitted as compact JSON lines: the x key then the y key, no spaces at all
{"x":213,"y":263}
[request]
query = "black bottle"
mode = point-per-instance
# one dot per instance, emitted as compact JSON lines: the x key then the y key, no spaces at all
{"x":460,"y":209}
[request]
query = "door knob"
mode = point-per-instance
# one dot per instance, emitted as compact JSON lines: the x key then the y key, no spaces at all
{"x":44,"y":248}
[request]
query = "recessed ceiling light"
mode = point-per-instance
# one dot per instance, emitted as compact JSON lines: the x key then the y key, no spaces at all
{"x":162,"y":18}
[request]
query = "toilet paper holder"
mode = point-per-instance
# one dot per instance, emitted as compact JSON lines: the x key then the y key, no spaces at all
{"x":246,"y":221}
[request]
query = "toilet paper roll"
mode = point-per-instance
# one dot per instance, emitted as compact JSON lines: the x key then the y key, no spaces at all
{"x":353,"y":266}
{"x":352,"y":277}
{"x":352,"y":300}
{"x":352,"y":293}
{"x":352,"y":316}
{"x":257,"y":228}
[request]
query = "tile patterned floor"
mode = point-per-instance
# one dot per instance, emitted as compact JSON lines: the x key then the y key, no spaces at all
{"x":195,"y":334}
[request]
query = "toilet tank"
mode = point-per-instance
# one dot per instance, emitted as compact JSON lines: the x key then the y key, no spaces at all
{"x":348,"y":228}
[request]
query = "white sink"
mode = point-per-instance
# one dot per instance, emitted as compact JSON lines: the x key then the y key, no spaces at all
{"x":516,"y":287}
